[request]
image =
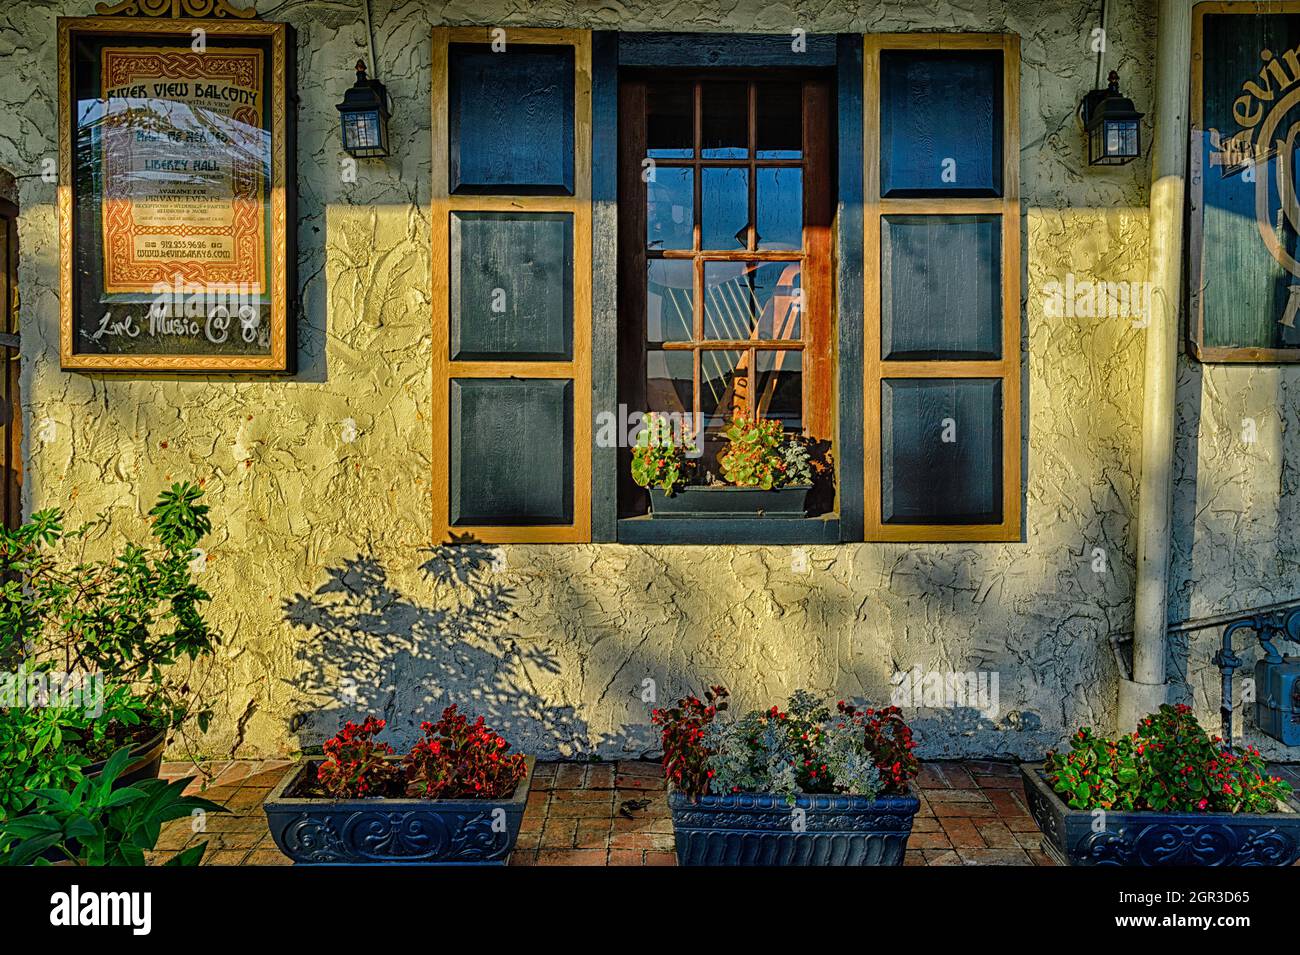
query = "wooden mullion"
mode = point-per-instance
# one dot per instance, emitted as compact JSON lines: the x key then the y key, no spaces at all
{"x":722,"y":344}
{"x":751,"y":230}
{"x":735,"y":255}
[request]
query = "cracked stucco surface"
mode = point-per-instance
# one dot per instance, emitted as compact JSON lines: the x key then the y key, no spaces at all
{"x":332,"y":601}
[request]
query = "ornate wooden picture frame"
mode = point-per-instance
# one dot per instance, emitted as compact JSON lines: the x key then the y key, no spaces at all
{"x":175,"y":218}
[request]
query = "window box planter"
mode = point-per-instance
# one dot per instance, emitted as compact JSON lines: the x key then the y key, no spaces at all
{"x":376,"y":830}
{"x":759,"y":829}
{"x":1158,"y":838}
{"x":704,"y":501}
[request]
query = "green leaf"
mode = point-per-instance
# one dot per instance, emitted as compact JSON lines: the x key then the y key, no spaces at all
{"x":188,"y":857}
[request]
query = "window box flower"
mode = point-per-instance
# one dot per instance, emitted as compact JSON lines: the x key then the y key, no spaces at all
{"x":808,"y":785}
{"x":1167,"y":794}
{"x":764,"y":472}
{"x":361,"y":806}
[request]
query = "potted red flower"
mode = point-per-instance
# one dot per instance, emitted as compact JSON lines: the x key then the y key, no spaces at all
{"x":806,"y":784}
{"x":457,"y":798}
{"x":1166,"y":794}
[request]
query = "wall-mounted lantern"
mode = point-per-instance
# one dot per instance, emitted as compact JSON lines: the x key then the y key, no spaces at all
{"x":1112,"y":125}
{"x":364,"y":117}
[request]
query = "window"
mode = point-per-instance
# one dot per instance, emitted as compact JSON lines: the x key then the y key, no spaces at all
{"x":631,"y":222}
{"x":724,"y":224}
{"x":941,"y":361}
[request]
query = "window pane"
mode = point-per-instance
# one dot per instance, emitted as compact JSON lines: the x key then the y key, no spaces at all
{"x":941,"y":451}
{"x":725,"y":209}
{"x":941,"y":123}
{"x":669,"y":381}
{"x":724,"y":386}
{"x":779,"y":388}
{"x":752,"y":300}
{"x":780,"y":120}
{"x":670,"y":126}
{"x":941,"y":287}
{"x":725,"y":121}
{"x":779,"y":205}
{"x":779,"y":294}
{"x":670,"y":208}
{"x":670,"y":298}
{"x":730,"y":311}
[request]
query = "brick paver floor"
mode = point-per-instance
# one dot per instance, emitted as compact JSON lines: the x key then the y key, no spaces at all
{"x":615,"y":813}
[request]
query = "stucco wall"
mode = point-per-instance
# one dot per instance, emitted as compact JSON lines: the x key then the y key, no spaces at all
{"x":325,"y":585}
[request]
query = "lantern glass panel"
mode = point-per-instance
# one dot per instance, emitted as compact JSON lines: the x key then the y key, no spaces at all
{"x":361,"y":130}
{"x":1122,"y":138}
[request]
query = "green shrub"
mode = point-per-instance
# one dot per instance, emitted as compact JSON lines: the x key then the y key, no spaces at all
{"x":1169,"y":764}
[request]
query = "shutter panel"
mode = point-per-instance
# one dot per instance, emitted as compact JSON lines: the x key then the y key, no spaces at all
{"x":941,"y":250}
{"x":511,"y":215}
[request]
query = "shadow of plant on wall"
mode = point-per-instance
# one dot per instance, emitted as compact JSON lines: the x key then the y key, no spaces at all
{"x":371,"y":647}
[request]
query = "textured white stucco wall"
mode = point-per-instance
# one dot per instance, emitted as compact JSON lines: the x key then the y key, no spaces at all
{"x":325,"y":585}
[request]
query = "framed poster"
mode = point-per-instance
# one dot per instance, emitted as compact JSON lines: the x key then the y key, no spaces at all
{"x":176,"y":225}
{"x":1243,"y":210}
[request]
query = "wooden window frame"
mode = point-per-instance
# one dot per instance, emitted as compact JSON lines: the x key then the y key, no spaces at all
{"x":11,"y":459}
{"x":578,"y":368}
{"x":817,"y":321}
{"x":1008,"y":368}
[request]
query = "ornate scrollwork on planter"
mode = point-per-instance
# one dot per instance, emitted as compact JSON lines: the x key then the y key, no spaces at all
{"x":369,"y":831}
{"x":219,"y":9}
{"x":1161,"y":844}
{"x":765,"y":829}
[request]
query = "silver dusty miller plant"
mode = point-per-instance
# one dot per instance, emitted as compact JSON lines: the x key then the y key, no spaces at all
{"x":797,"y":461}
{"x":802,"y":749}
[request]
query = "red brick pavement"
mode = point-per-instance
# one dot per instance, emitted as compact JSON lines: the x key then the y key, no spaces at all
{"x":972,"y":813}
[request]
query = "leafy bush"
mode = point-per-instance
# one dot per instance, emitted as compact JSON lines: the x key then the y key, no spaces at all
{"x":753,"y":457}
{"x":96,"y":824}
{"x":356,"y":764}
{"x":686,"y":760}
{"x":127,"y":617}
{"x":801,"y":749}
{"x":462,"y":760}
{"x":124,"y":620}
{"x":38,"y":750}
{"x":456,"y":759}
{"x":1168,"y":764}
{"x":658,"y":461}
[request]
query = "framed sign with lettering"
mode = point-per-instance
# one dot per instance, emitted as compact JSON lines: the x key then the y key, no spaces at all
{"x":1244,"y":210}
{"x":175,"y":144}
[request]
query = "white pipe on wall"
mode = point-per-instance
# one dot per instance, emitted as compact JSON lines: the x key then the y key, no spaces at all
{"x":1147,"y":689}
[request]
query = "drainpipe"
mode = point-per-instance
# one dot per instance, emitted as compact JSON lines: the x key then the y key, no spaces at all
{"x":1147,"y":689}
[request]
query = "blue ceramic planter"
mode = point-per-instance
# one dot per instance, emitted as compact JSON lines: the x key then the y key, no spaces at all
{"x":765,"y":829}
{"x":1158,"y":838}
{"x":377,"y":831}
